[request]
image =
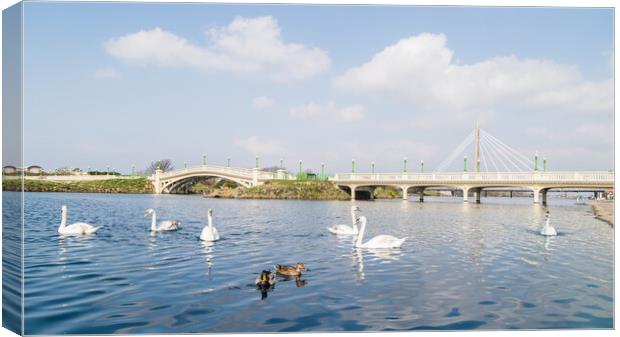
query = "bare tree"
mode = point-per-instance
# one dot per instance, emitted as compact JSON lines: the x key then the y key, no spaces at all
{"x":271,"y":169}
{"x":164,"y":164}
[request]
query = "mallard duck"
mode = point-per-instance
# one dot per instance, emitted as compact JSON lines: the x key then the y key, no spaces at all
{"x":290,"y":270}
{"x":266,"y":279}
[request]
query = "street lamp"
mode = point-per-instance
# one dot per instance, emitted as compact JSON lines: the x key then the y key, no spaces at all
{"x":405,"y":165}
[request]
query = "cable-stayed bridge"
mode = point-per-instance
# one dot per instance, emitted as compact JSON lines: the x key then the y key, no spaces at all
{"x":494,"y":165}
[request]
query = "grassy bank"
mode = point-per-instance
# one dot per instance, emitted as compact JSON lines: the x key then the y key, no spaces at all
{"x":604,"y":211}
{"x":138,"y":185}
{"x":280,"y":189}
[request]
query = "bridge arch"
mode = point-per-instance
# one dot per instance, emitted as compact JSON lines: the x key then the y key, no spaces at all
{"x":173,"y":184}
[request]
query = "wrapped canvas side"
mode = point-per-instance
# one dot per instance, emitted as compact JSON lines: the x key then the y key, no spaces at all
{"x":12,"y":163}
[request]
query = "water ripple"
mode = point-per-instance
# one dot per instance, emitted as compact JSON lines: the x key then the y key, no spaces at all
{"x":464,"y":266}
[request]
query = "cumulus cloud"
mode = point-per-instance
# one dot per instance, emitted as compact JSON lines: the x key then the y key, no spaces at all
{"x":255,"y":146}
{"x":329,"y":111}
{"x":107,"y":72}
{"x":262,"y":102}
{"x":421,"y":69}
{"x":246,"y":45}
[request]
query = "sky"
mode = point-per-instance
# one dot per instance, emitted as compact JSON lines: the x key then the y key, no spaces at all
{"x":116,"y":84}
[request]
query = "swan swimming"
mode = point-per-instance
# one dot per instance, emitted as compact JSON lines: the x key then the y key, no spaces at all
{"x":209,"y":233}
{"x":379,"y":241}
{"x":167,"y":225}
{"x":548,"y":230}
{"x":79,"y":228}
{"x":345,"y":229}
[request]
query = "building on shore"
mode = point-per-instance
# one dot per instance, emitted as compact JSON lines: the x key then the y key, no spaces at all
{"x":9,"y":169}
{"x":32,"y":169}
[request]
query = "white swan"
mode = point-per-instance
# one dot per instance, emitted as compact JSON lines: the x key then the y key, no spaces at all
{"x":345,"y":229}
{"x":167,"y":225}
{"x":79,"y":228}
{"x":548,"y":230}
{"x":379,"y":241}
{"x":209,"y":233}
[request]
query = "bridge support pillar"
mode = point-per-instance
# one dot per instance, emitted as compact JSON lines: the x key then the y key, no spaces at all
{"x":536,"y":195}
{"x":157,"y":181}
{"x":255,"y":176}
{"x":352,"y":187}
{"x":465,"y":193}
{"x":405,"y":195}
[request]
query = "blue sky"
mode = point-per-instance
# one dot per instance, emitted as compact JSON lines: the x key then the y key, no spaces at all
{"x":121,"y":84}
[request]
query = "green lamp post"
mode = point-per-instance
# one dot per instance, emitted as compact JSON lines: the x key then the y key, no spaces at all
{"x":421,"y":166}
{"x":204,"y":159}
{"x":544,"y":164}
{"x":352,"y":165}
{"x":536,"y":162}
{"x":228,"y":162}
{"x":465,"y":164}
{"x":405,"y":165}
{"x":372,"y":167}
{"x":256,"y":161}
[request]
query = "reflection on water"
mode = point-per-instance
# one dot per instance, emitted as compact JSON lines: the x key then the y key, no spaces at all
{"x":208,"y":253}
{"x":464,"y":266}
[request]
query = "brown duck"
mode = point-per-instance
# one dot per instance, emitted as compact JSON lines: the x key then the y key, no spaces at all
{"x":290,"y":270}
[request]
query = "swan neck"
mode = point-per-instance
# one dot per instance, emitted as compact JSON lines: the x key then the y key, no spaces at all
{"x":153,"y":222}
{"x":210,"y":218}
{"x":63,"y":221}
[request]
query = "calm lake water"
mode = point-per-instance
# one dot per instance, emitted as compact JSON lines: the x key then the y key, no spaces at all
{"x":464,"y":266}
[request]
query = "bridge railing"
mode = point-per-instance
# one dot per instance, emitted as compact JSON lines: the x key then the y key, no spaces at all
{"x":587,"y":176}
{"x":224,"y":170}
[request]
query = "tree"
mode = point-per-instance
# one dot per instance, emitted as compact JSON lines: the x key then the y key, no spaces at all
{"x":271,"y":169}
{"x":164,"y":164}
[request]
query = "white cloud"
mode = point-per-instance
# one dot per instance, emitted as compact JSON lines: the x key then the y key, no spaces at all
{"x":255,"y":146}
{"x":329,"y":111}
{"x":596,"y":133}
{"x":421,"y":70}
{"x":246,"y":45}
{"x":262,"y":102}
{"x":107,"y":72}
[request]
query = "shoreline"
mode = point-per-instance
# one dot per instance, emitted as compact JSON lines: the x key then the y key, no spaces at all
{"x":604,"y":211}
